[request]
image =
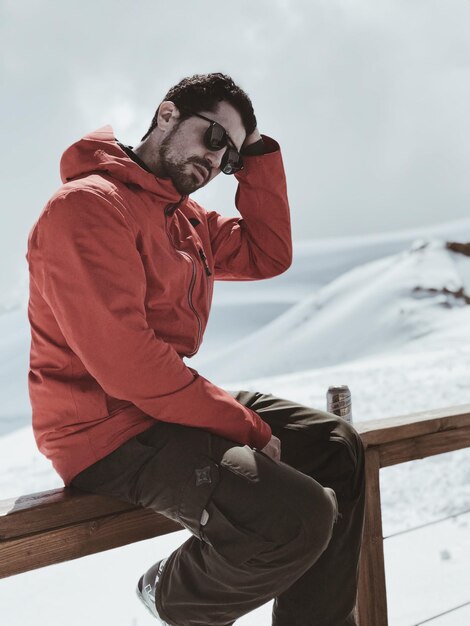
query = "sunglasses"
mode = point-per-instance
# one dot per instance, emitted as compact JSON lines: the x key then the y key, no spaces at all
{"x":216,"y":138}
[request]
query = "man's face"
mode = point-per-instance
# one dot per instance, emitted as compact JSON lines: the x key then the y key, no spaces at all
{"x":184,"y":157}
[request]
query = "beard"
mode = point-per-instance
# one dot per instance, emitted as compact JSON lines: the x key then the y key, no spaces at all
{"x":177,"y":170}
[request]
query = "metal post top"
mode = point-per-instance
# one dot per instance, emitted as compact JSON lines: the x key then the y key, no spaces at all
{"x":338,"y":388}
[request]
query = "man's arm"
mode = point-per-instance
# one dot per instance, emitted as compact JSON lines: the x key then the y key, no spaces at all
{"x":259,"y":244}
{"x":84,"y":260}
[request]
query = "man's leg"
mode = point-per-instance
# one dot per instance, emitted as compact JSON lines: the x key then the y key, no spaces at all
{"x":267,"y":523}
{"x":327,"y":449}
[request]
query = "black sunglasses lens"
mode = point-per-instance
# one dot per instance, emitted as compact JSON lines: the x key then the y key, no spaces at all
{"x":216,"y":137}
{"x":231,"y":162}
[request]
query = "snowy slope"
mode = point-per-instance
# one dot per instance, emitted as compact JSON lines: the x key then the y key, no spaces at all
{"x":238,"y":307}
{"x":378,"y":307}
{"x":318,"y":262}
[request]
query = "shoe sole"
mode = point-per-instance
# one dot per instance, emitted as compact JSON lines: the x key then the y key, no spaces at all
{"x":138,"y":591}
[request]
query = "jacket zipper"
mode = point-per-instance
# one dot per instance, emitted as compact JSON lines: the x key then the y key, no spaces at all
{"x":190,"y":300}
{"x":204,"y":260}
{"x":169,"y":210}
{"x":208,"y":274}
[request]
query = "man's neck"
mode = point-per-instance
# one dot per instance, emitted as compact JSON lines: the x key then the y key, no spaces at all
{"x":135,"y":156}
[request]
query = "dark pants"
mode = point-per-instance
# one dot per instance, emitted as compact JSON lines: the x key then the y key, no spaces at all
{"x":273,"y":530}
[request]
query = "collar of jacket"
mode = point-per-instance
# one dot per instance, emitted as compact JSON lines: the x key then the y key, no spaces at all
{"x":99,"y":151}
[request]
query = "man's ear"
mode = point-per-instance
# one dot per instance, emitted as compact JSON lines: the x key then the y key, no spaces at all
{"x":168,"y":115}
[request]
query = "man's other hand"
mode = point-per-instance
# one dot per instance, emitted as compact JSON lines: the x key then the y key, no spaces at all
{"x":273,"y":448}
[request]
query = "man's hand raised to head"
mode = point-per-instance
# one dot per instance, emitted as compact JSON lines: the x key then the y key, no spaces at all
{"x":251,"y":138}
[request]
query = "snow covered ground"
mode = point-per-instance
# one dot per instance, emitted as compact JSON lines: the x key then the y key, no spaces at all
{"x":376,"y":314}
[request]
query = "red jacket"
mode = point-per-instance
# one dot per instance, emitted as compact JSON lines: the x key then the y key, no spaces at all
{"x":121,"y":277}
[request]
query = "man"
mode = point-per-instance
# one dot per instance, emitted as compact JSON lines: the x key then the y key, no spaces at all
{"x":122,"y":264}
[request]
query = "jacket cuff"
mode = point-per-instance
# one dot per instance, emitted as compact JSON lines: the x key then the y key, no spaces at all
{"x":270,"y":144}
{"x":254,"y":149}
{"x":265,"y":145}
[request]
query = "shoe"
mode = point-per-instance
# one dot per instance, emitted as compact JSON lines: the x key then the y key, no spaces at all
{"x":146,"y":589}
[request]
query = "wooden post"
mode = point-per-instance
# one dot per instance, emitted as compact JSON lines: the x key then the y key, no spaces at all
{"x":372,"y":595}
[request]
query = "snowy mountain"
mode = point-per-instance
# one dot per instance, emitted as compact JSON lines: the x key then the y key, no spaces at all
{"x":318,"y":262}
{"x":241,"y":308}
{"x":382,"y":306}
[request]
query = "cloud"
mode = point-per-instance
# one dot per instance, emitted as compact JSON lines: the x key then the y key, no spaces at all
{"x":368,"y":99}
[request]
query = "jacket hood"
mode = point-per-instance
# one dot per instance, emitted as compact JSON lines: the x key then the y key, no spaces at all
{"x":98,"y":152}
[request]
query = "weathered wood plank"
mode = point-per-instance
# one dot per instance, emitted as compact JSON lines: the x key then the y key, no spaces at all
{"x":77,"y":540}
{"x":372,"y":594}
{"x":52,"y":509}
{"x":378,"y":432}
{"x":424,"y":446}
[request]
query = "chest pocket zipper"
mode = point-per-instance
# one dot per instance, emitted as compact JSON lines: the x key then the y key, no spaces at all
{"x":169,"y":210}
{"x":190,"y":300}
{"x":204,"y":260}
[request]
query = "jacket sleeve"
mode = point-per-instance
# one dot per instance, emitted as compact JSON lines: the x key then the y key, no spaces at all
{"x":259,"y":244}
{"x":85,"y":262}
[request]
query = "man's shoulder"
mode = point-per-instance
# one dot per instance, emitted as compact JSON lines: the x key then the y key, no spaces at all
{"x":90,"y":185}
{"x":88,"y":196}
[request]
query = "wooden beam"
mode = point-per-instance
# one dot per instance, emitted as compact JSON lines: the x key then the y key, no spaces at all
{"x":372,"y":594}
{"x":52,"y":509}
{"x":424,"y":446}
{"x":388,"y":430}
{"x":73,"y":541}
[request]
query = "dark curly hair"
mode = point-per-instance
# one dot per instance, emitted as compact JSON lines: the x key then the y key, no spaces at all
{"x":203,"y":92}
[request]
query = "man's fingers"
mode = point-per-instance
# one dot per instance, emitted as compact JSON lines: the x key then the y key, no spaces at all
{"x":273,"y":448}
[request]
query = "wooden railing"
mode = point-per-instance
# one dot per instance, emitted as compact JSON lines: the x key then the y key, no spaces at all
{"x":63,"y":524}
{"x":389,"y":442}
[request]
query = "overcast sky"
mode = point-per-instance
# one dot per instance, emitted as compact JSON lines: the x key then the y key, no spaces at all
{"x":369,"y":100}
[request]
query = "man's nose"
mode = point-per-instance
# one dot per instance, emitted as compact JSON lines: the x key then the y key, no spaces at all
{"x":215,"y":157}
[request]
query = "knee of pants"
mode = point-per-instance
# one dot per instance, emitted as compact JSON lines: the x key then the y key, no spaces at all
{"x":319,"y":515}
{"x":349,"y":435}
{"x":266,"y":509}
{"x":300,"y":534}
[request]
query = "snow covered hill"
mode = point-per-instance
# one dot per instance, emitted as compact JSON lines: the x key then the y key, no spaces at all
{"x":240,"y":308}
{"x":317,"y":262}
{"x":379,"y":307}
